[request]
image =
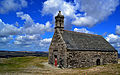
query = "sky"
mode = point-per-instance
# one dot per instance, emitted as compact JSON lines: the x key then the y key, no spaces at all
{"x":28,"y":25}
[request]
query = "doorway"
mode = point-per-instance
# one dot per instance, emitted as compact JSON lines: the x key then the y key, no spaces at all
{"x":55,"y":56}
{"x":55,"y":60}
{"x":98,"y":62}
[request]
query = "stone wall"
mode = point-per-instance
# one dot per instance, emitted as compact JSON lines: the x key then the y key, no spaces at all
{"x":57,"y":48}
{"x":76,"y":59}
{"x":53,"y":46}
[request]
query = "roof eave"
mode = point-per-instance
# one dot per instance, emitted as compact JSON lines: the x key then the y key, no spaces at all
{"x":92,"y":50}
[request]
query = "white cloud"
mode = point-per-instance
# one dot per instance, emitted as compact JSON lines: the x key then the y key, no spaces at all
{"x":11,"y":5}
{"x":87,"y":21}
{"x":29,"y":27}
{"x":1,"y":24}
{"x":27,"y":37}
{"x":38,"y":28}
{"x":17,"y":42}
{"x":90,"y":11}
{"x":83,"y":30}
{"x":97,"y":10}
{"x":46,"y":40}
{"x":114,"y":40}
{"x":5,"y":42}
{"x":53,"y":6}
{"x":8,"y":29}
{"x":27,"y":42}
{"x":30,"y":42}
{"x":45,"y":43}
{"x":118,"y":29}
{"x":28,"y":20}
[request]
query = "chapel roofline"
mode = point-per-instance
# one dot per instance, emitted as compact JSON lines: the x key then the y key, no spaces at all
{"x":84,"y":33}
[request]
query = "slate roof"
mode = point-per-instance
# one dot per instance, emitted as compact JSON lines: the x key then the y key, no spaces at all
{"x":84,"y":41}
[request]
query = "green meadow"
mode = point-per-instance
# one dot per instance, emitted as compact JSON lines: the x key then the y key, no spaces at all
{"x":39,"y":66}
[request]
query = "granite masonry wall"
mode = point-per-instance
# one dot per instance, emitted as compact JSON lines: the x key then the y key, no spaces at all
{"x":57,"y":48}
{"x":77,"y":59}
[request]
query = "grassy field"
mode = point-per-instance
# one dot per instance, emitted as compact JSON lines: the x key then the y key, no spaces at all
{"x":18,"y":63}
{"x":39,"y":66}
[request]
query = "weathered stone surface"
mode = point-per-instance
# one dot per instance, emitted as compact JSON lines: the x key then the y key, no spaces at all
{"x":76,"y":59}
{"x":74,"y":50}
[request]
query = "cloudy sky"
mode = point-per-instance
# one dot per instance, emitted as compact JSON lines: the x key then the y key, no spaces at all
{"x":28,"y":25}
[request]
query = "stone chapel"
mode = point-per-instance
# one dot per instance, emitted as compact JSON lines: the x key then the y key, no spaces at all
{"x":75,"y":49}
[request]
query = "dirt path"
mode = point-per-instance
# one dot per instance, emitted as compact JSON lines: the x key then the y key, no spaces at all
{"x":48,"y":70}
{"x":71,"y":71}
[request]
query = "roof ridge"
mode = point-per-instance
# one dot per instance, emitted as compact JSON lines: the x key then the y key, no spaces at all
{"x":83,"y":33}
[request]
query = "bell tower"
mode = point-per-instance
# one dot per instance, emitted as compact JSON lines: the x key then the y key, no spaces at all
{"x":59,"y":22}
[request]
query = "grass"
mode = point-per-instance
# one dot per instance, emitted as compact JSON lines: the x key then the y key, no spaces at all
{"x":14,"y":64}
{"x":110,"y":69}
{"x":18,"y":64}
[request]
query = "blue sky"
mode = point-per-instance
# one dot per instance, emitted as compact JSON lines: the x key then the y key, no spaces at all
{"x":28,"y":25}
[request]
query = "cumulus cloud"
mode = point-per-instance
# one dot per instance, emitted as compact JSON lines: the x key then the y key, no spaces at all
{"x":87,"y":21}
{"x":81,"y":12}
{"x":97,"y":10}
{"x":45,"y":43}
{"x":26,"y":40}
{"x":25,"y":37}
{"x":118,"y":29}
{"x":29,"y":27}
{"x":11,"y":5}
{"x":114,"y":40}
{"x":53,"y":6}
{"x":8,"y":29}
{"x":38,"y":28}
{"x":30,"y":42}
{"x":25,"y":43}
{"x":83,"y":30}
{"x":28,"y":20}
{"x":5,"y":40}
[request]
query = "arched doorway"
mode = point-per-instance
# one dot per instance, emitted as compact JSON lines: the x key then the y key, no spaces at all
{"x":98,"y":62}
{"x":55,"y":56}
